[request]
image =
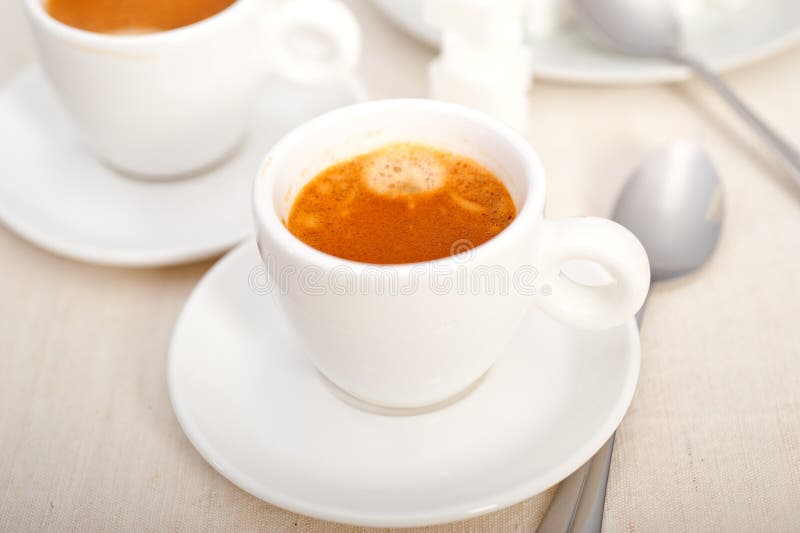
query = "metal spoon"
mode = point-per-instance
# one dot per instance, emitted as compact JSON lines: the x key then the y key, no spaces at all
{"x":673,"y":204}
{"x":651,"y":28}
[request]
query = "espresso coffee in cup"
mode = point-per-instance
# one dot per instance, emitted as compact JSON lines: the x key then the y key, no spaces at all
{"x":133,"y":16}
{"x":402,"y":203}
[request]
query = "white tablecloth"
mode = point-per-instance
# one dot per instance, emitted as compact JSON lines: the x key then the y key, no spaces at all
{"x":88,"y":441}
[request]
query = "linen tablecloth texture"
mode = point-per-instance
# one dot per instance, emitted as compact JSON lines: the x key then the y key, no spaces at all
{"x":88,"y":441}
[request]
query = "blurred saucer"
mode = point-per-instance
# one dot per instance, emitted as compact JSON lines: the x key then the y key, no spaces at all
{"x":58,"y":196}
{"x":258,"y":411}
{"x":726,"y":40}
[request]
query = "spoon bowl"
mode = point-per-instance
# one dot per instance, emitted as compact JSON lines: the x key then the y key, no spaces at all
{"x":639,"y":27}
{"x":673,"y":204}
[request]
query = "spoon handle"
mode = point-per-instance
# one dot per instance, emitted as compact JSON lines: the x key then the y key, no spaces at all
{"x":580,"y":499}
{"x":589,"y":510}
{"x":789,"y":154}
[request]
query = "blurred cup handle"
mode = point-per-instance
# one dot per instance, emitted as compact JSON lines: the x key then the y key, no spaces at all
{"x":313,"y":41}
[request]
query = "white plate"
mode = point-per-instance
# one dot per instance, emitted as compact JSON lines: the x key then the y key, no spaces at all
{"x":761,"y":28}
{"x":257,"y":410}
{"x":56,"y":194}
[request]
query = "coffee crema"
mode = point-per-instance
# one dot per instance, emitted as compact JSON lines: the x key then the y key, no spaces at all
{"x":127,"y":17}
{"x":403,"y":203}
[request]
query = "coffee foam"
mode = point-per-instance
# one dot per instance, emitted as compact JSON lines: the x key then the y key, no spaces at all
{"x":308,"y":221}
{"x":134,"y":31}
{"x":467,"y":205}
{"x":403,"y":169}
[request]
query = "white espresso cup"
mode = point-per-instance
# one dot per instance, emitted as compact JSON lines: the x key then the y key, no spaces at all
{"x":172,"y":102}
{"x":413,"y":335}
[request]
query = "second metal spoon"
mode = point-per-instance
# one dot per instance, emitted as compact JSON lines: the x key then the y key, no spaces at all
{"x":651,"y":28}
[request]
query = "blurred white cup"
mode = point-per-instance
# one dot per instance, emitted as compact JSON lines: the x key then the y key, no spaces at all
{"x":173,"y":102}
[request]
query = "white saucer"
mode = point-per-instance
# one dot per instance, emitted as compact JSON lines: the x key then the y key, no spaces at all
{"x":726,"y":41}
{"x":257,"y":410}
{"x":56,"y":194}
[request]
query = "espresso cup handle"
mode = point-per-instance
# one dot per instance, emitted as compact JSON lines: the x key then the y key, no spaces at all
{"x":602,"y":241}
{"x":313,"y":41}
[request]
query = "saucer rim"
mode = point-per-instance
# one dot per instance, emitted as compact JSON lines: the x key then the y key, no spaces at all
{"x":462,"y":511}
{"x":119,"y":257}
{"x":16,"y":222}
{"x":150,"y":257}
